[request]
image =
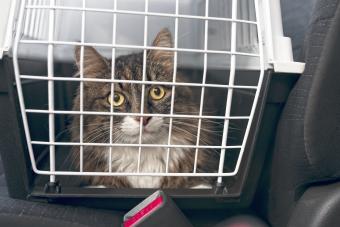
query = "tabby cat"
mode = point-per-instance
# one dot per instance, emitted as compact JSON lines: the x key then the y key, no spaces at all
{"x":125,"y":129}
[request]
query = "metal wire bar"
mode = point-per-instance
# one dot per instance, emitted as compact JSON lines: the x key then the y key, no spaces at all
{"x":19,"y":86}
{"x":187,"y":50}
{"x":205,"y":62}
{"x":50,"y":72}
{"x":257,"y":94}
{"x":113,"y":60}
{"x":153,"y":174}
{"x":131,"y":145}
{"x":230,"y":90}
{"x":182,"y":16}
{"x":81,"y":90}
{"x":31,"y":77}
{"x":71,"y":112}
{"x":143,"y":85}
{"x":173,"y":88}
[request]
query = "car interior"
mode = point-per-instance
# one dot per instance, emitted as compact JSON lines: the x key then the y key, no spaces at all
{"x":293,"y":181}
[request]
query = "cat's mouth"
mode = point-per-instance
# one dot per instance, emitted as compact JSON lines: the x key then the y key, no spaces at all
{"x":152,"y":132}
{"x":136,"y":132}
{"x":148,"y":137}
{"x":145,"y":130}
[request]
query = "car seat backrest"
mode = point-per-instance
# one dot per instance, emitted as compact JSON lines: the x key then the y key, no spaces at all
{"x":308,"y":137}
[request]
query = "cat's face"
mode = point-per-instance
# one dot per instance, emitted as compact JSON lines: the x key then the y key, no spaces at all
{"x":127,"y":96}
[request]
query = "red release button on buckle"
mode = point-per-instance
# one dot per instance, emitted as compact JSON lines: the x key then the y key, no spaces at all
{"x":143,"y":212}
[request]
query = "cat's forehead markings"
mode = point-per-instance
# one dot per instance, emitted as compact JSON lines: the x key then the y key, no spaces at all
{"x":126,"y":74}
{"x":122,"y":73}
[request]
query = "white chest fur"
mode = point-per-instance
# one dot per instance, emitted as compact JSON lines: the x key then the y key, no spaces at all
{"x":153,"y":160}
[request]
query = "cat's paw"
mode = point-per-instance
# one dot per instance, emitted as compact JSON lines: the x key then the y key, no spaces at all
{"x":202,"y":186}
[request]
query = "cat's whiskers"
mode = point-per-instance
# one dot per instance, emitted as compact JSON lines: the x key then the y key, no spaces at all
{"x":201,"y":135}
{"x":93,"y":133}
{"x":204,"y":127}
{"x":196,"y":112}
{"x":97,"y":156}
{"x":185,"y":132}
{"x":96,"y":139}
{"x":193,"y":126}
{"x":100,"y":132}
{"x":69,"y":129}
{"x":218,"y":123}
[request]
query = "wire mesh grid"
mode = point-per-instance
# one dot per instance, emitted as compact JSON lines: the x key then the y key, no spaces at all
{"x":34,"y":12}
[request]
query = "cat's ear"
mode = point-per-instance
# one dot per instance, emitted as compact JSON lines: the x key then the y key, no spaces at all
{"x":163,"y":39}
{"x":94,"y":64}
{"x":165,"y":57}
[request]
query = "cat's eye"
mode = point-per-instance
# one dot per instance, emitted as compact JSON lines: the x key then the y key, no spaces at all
{"x":117,"y":99}
{"x":157,"y":92}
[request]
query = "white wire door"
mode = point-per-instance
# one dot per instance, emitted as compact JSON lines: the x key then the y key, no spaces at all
{"x":32,"y":12}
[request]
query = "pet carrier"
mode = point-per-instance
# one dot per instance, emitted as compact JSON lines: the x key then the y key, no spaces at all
{"x":232,"y":54}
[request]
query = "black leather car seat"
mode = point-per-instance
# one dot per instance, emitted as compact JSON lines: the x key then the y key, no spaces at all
{"x":307,"y":147}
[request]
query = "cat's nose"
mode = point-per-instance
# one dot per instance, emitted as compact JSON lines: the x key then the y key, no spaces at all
{"x":146,"y":119}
